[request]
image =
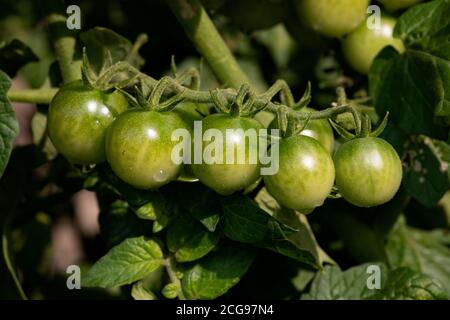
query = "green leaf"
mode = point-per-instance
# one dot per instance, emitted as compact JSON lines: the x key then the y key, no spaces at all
{"x":427,"y":173}
{"x":215,"y":274}
{"x":127,"y":262}
{"x":245,"y":222}
{"x":333,"y":284}
{"x":189,"y":240}
{"x":397,"y":81}
{"x":353,"y":284}
{"x":202,"y":203}
{"x":14,"y":55}
{"x":97,"y":40}
{"x":139,"y":292}
{"x":8,"y":123}
{"x":406,"y":284}
{"x":118,"y":222}
{"x":148,"y":205}
{"x":419,"y":250}
{"x":303,"y":237}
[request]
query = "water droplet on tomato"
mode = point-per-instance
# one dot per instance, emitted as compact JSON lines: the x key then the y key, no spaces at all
{"x":160,"y":176}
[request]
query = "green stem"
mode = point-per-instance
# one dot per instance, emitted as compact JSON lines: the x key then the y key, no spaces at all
{"x":169,"y":263}
{"x":43,"y":96}
{"x":8,"y":262}
{"x":260,"y":101}
{"x":202,"y":32}
{"x":64,"y":43}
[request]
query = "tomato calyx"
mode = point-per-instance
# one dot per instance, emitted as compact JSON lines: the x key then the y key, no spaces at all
{"x":365,"y":129}
{"x":112,"y":75}
{"x":362,"y":122}
{"x":241,"y":106}
{"x":288,"y":124}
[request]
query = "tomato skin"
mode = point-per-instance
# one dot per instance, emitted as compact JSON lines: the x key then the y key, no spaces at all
{"x":368,"y":171}
{"x":139,"y":147}
{"x":332,"y":18}
{"x":361,"y":46}
{"x":394,"y":5}
{"x":319,"y":129}
{"x":225,"y":178}
{"x":78,"y":117}
{"x":305,"y":176}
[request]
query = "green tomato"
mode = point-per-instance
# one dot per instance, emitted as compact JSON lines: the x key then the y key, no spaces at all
{"x":139,"y":147}
{"x":393,"y":5}
{"x":362,"y":45}
{"x":227,"y":178}
{"x":254,"y":14}
{"x":78,"y":117}
{"x":368,"y":171}
{"x":332,"y":18}
{"x":319,"y":129}
{"x":305,"y":175}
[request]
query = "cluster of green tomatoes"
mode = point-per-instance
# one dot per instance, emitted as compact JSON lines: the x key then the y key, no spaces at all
{"x":89,"y":126}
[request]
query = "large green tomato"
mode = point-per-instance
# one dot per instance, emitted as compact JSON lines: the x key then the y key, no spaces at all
{"x":332,"y":18}
{"x":78,"y":117}
{"x":368,"y":171}
{"x":254,"y":14}
{"x":139,"y":147}
{"x":305,"y":175}
{"x":227,"y":178}
{"x":393,"y":5}
{"x":319,"y":129}
{"x":362,"y":45}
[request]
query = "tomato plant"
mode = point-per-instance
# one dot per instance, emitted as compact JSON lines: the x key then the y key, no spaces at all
{"x":276,"y":150}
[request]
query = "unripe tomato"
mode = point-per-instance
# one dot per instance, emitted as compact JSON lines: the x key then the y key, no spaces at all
{"x":254,"y":14}
{"x":332,"y":18}
{"x":393,"y":5}
{"x":227,"y":178}
{"x":139,"y":147}
{"x":361,"y":46}
{"x":78,"y":117}
{"x":305,"y":176}
{"x":319,"y":129}
{"x":368,"y":171}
